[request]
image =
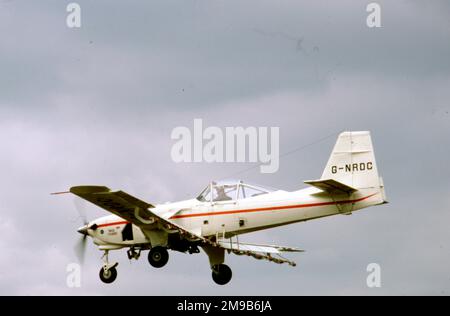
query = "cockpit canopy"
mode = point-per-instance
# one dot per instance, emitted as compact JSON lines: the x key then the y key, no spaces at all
{"x":231,"y":190}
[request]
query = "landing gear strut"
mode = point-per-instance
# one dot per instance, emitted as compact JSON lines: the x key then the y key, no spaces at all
{"x":158,"y":257}
{"x":221,"y":274}
{"x":108,"y":272}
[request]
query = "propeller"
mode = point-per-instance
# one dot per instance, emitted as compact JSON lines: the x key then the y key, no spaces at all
{"x":80,"y":206}
{"x":80,"y":246}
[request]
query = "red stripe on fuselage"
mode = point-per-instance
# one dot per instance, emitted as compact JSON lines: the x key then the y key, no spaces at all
{"x":275,"y":208}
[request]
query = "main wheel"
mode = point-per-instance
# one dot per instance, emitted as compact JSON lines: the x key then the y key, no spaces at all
{"x":158,"y":257}
{"x":108,"y":276}
{"x":221,"y":274}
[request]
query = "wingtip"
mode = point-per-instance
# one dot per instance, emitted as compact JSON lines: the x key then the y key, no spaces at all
{"x":59,"y":193}
{"x":89,"y":189}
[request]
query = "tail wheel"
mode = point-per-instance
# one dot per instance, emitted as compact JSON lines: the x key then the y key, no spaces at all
{"x":108,"y":276}
{"x":158,"y":257}
{"x":221,"y":274}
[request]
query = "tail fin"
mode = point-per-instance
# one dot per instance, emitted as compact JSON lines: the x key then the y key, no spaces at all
{"x":352,"y":162}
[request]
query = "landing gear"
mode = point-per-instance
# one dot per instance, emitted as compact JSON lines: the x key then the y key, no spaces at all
{"x":221,"y":274}
{"x":158,"y":257}
{"x":108,"y":273}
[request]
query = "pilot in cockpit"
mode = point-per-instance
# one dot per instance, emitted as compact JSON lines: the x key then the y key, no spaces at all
{"x":221,"y":195}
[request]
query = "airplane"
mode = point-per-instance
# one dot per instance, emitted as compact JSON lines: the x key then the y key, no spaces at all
{"x":224,"y":210}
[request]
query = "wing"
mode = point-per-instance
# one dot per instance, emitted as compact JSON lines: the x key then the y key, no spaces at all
{"x":259,"y":251}
{"x":129,"y":208}
{"x":331,"y":186}
{"x":139,"y":213}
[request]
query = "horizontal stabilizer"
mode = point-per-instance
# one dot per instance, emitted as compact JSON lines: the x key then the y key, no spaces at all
{"x":331,"y":186}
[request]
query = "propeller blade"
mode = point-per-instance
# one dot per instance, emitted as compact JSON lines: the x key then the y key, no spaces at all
{"x":80,"y":249}
{"x":80,"y":206}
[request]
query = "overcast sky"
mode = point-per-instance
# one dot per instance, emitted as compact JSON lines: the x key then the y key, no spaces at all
{"x":96,"y":105}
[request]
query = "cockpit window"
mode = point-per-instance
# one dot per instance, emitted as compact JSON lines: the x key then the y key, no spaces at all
{"x":231,"y":191}
{"x":251,"y":191}
{"x":205,"y":196}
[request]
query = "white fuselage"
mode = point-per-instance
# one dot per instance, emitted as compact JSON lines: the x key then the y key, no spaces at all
{"x":229,"y":218}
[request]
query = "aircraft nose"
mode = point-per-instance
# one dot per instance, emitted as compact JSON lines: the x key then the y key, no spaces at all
{"x":83,"y":230}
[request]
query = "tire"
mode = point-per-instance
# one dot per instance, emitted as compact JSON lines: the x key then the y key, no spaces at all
{"x":109,"y":276}
{"x":158,"y":257}
{"x":221,"y":274}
